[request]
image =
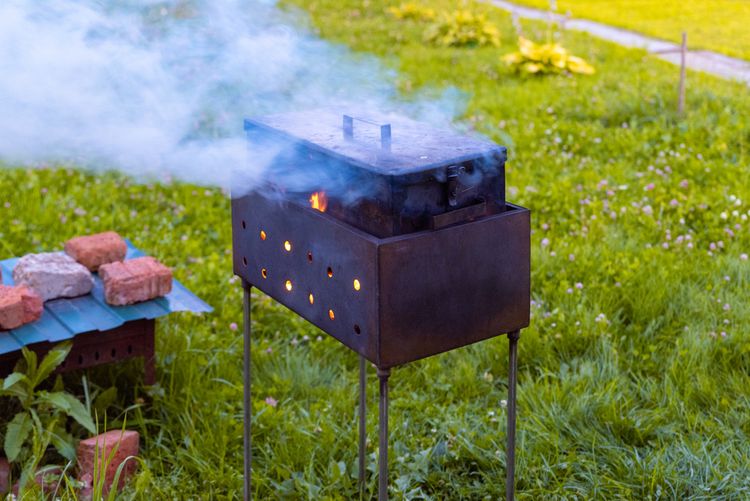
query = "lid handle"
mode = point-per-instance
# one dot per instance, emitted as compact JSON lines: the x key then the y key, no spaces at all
{"x":385,"y":130}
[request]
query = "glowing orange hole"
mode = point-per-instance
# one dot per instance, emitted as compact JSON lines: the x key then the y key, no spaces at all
{"x":319,"y":201}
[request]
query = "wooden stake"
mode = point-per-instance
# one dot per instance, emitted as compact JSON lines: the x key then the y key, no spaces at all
{"x":683,"y":75}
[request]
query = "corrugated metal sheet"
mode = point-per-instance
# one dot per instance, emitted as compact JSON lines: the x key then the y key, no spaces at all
{"x":64,"y":318}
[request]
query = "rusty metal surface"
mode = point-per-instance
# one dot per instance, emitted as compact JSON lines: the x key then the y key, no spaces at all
{"x":420,"y":294}
{"x":318,"y":243}
{"x":444,"y":289}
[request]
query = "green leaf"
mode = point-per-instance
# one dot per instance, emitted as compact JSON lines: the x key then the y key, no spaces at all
{"x":12,"y":379}
{"x":30,"y":358}
{"x":54,"y":358}
{"x":11,"y":387}
{"x":71,"y":406}
{"x":63,"y":442}
{"x":105,"y":400}
{"x":59,"y":385}
{"x":15,"y":435}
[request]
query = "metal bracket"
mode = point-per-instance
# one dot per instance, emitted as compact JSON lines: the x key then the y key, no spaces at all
{"x":458,"y":216}
{"x":385,"y":130}
{"x":454,"y":171}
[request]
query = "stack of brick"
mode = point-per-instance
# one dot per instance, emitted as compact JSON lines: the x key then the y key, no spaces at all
{"x":47,"y":276}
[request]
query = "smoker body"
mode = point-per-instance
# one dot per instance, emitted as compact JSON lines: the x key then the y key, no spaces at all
{"x":397,"y":241}
{"x":419,"y":294}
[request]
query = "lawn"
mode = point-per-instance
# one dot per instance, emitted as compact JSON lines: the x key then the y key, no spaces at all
{"x":634,"y":374}
{"x":718,"y":25}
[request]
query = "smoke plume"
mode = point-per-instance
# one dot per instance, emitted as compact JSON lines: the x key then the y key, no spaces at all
{"x":158,"y":89}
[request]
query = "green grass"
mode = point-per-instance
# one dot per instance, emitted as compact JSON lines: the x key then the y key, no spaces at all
{"x":627,"y":388}
{"x":718,"y":25}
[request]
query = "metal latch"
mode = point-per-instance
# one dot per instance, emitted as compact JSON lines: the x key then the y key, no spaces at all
{"x":454,"y":171}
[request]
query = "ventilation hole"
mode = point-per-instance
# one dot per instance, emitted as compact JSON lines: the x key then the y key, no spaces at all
{"x":80,"y":359}
{"x":287,"y":246}
{"x":330,"y":272}
{"x":244,"y":225}
{"x":357,"y":285}
{"x":130,"y":349}
{"x":311,"y":298}
{"x":244,"y":261}
{"x":114,"y":353}
{"x":357,"y":330}
{"x":264,"y":273}
{"x":96,"y":355}
{"x":288,"y":285}
{"x":331,"y":315}
{"x":309,"y":257}
{"x":262,"y":235}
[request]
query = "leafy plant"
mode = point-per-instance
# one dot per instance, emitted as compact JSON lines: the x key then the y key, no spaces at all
{"x":42,"y":420}
{"x":463,"y":28}
{"x":414,"y":11}
{"x":539,"y":59}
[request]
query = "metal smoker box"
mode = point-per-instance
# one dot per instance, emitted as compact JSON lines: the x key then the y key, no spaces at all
{"x":414,"y":252}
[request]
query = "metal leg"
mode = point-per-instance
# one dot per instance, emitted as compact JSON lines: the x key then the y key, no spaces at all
{"x":510,"y":463}
{"x":362,"y":420}
{"x":247,"y":396}
{"x":149,"y":353}
{"x":383,"y":375}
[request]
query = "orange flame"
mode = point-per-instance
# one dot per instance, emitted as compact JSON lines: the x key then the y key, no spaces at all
{"x":319,"y":201}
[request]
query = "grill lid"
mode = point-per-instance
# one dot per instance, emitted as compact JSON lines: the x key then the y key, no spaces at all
{"x":383,"y":144}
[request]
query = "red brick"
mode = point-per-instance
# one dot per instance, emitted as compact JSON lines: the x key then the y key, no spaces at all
{"x":4,"y":475}
{"x":92,"y":251}
{"x":97,"y":451}
{"x":46,"y":477}
{"x":32,"y":304}
{"x":135,"y":280}
{"x":11,"y":308}
{"x":19,"y":305}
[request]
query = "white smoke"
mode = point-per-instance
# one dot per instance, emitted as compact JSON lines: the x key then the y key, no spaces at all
{"x":158,"y":89}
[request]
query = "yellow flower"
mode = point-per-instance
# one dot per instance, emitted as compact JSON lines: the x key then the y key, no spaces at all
{"x":545,"y":58}
{"x":412,"y":11}
{"x":578,"y":65}
{"x":463,"y":28}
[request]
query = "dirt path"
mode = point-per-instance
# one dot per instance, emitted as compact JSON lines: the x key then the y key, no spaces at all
{"x":701,"y":60}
